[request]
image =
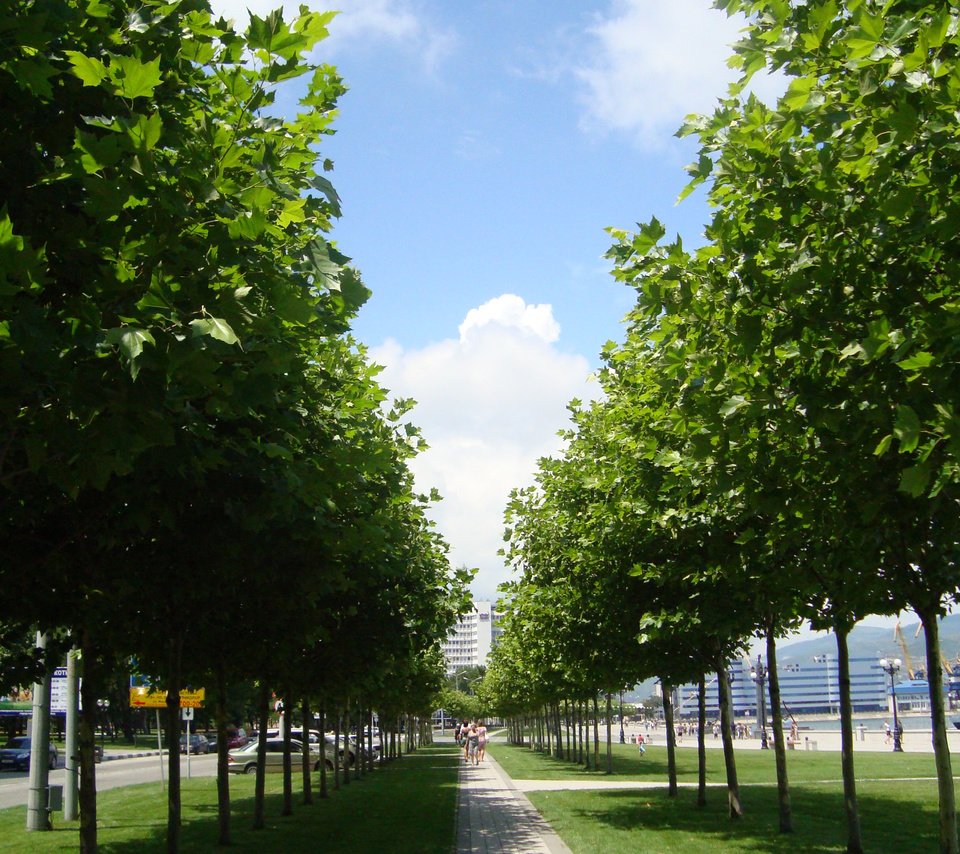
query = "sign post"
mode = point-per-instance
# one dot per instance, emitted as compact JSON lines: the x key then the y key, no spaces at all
{"x":144,"y":696}
{"x":187,"y":713}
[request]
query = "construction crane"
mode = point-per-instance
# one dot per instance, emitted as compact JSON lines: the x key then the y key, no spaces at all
{"x":907,"y":661}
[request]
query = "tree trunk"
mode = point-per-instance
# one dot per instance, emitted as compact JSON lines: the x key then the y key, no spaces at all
{"x":361,"y":743}
{"x":609,"y":735}
{"x":671,"y":738}
{"x":173,"y":743}
{"x":87,"y":799}
{"x":336,"y":749}
{"x":585,"y":718}
{"x":346,"y":743}
{"x":307,"y":762}
{"x":370,"y":740}
{"x":287,"y":710}
{"x":263,"y":712}
{"x":223,"y":776}
{"x":701,"y":741}
{"x":779,"y":748}
{"x":726,"y":727}
{"x":941,"y":749}
{"x":558,"y":724}
{"x":322,"y":726}
{"x":596,"y":734}
{"x":854,"y":840}
{"x":579,"y":712}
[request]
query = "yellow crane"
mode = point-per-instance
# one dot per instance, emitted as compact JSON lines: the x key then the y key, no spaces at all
{"x":907,"y":661}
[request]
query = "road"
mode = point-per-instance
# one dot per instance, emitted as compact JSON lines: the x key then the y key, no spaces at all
{"x":118,"y":772}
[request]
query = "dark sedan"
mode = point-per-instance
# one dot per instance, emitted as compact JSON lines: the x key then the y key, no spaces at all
{"x":15,"y":755}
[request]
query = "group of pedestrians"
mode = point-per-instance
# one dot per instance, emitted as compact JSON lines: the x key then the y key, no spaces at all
{"x":472,"y":738}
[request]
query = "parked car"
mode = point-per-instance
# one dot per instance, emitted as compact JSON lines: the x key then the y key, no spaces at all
{"x":15,"y":754}
{"x":244,"y":759}
{"x":211,"y":742}
{"x":237,"y":738}
{"x":198,"y":743}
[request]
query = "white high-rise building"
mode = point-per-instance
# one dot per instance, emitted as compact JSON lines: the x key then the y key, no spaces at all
{"x":470,"y":641}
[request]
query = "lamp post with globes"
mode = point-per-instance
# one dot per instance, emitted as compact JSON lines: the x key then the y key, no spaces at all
{"x":758,"y":673}
{"x":891,"y":666}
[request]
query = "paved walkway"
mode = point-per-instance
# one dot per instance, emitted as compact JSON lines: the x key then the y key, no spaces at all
{"x":495,"y":817}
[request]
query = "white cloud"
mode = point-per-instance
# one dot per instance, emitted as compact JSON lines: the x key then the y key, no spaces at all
{"x":399,"y":23}
{"x":512,"y":312}
{"x":654,"y":63}
{"x":490,"y":405}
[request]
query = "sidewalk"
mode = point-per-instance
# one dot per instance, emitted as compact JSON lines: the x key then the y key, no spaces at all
{"x":495,"y":817}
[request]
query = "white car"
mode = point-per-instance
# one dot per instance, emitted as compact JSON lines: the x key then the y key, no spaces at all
{"x":243,"y":760}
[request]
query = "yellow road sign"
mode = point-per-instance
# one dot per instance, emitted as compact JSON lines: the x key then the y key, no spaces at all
{"x":145,"y":697}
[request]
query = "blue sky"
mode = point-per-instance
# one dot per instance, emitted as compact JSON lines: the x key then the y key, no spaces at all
{"x":480,"y":152}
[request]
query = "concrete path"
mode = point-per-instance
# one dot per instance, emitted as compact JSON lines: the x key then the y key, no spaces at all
{"x":495,"y":817}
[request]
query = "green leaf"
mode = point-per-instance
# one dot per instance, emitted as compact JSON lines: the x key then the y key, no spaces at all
{"x":295,"y":307}
{"x":906,"y":428}
{"x":354,"y":292}
{"x":324,"y":186}
{"x":883,"y":445}
{"x":798,"y":93}
{"x":914,"y":480}
{"x":133,"y":78}
{"x":130,"y":342}
{"x":650,"y":235}
{"x":145,"y":134}
{"x":33,"y":75}
{"x":249,"y":225}
{"x":732,"y":404}
{"x":89,"y":69}
{"x":917,"y":362}
{"x":215,"y":327}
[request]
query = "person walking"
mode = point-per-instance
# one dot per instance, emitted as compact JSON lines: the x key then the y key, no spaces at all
{"x":482,"y":741}
{"x":473,"y":745}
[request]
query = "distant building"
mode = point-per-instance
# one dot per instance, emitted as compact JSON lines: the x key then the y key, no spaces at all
{"x":470,"y":641}
{"x":806,"y":687}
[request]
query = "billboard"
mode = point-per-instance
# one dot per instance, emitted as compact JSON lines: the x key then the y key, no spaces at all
{"x":144,"y":696}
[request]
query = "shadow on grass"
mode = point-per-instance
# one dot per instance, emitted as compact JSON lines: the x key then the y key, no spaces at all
{"x":625,"y":763}
{"x":648,"y":820}
{"x":413,"y":804}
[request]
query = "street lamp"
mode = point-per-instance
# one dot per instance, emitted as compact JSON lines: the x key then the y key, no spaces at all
{"x":622,"y":739}
{"x":890,"y":666}
{"x":758,"y":674}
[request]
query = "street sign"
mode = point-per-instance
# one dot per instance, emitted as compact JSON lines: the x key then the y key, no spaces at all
{"x":58,"y":691}
{"x":146,"y":697}
{"x":187,"y":713}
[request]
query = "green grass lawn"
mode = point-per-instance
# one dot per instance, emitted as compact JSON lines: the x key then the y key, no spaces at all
{"x":897,"y":815}
{"x":753,"y":766}
{"x":408,"y":807}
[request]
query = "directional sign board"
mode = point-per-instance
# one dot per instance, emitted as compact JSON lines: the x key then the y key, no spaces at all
{"x":144,"y":696}
{"x":58,"y":691}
